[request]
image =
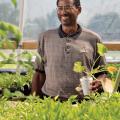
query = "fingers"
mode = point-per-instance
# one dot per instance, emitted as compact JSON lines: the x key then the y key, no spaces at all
{"x":95,"y":85}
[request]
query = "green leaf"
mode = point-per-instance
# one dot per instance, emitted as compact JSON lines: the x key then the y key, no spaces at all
{"x":4,"y":25}
{"x":14,"y":2}
{"x":3,"y":33}
{"x":9,"y":44}
{"x":10,"y":28}
{"x":26,"y":55}
{"x":3,"y":55}
{"x":1,"y":45}
{"x":14,"y":29}
{"x":56,"y":97}
{"x":72,"y":98}
{"x":101,"y":49}
{"x":78,"y":67}
{"x":117,"y":81}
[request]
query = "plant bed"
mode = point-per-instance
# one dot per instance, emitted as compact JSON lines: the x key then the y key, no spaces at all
{"x":104,"y":107}
{"x":14,"y":104}
{"x":22,"y":71}
{"x":15,"y":83}
{"x":12,"y":68}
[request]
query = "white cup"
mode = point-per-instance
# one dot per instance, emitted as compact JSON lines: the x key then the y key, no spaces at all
{"x":85,"y":83}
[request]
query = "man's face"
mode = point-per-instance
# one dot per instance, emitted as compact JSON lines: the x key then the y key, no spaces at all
{"x":67,"y":12}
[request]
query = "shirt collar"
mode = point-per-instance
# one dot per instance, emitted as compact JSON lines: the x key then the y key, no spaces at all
{"x":62,"y":34}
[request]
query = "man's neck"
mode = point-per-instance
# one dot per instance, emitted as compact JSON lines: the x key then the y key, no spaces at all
{"x":70,"y":29}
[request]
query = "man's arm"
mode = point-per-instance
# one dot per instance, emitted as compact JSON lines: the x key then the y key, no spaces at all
{"x":38,"y":81}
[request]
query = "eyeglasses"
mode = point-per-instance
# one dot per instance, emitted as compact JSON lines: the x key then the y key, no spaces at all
{"x":65,"y":8}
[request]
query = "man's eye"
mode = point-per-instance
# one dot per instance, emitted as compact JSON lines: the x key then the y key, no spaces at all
{"x":67,"y":7}
{"x":60,"y":8}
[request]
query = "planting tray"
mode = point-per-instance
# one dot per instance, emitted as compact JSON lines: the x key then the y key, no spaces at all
{"x":22,"y":71}
{"x":12,"y":68}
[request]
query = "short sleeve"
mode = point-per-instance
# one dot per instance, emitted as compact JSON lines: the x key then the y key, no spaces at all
{"x":39,"y":63}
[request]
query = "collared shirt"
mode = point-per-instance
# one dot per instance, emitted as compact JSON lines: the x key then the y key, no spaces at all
{"x":59,"y":53}
{"x":62,"y":34}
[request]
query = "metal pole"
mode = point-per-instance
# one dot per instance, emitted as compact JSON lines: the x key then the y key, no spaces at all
{"x":21,"y":18}
{"x":21,"y":26}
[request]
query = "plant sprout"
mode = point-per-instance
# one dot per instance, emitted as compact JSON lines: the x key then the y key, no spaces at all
{"x":78,"y":68}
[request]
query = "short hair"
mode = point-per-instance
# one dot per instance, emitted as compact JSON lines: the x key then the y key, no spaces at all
{"x":76,"y":3}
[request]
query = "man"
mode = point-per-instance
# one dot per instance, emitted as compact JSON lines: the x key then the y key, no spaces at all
{"x":54,"y":75}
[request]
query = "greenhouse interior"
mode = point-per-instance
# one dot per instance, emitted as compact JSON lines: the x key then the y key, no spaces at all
{"x":59,"y":59}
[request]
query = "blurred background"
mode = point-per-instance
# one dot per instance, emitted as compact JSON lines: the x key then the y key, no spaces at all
{"x":36,"y":16}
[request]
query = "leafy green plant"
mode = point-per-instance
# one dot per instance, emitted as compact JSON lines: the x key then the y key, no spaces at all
{"x":14,"y":84}
{"x":79,"y":68}
{"x":113,"y":71}
{"x":100,"y":106}
{"x":114,"y":75}
{"x":35,"y":108}
{"x":5,"y":30}
{"x":6,"y":80}
{"x":25,"y":62}
{"x":14,"y":2}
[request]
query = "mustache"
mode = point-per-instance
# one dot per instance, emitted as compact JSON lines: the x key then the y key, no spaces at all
{"x":66,"y":14}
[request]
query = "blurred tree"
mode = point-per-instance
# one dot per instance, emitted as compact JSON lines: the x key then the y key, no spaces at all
{"x":106,"y":25}
{"x":8,"y":13}
{"x":34,"y":27}
{"x":52,"y":19}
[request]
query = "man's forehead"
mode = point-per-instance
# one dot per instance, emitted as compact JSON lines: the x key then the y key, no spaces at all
{"x":62,"y":2}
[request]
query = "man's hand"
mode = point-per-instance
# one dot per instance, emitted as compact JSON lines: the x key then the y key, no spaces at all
{"x":106,"y":83}
{"x":96,"y":86}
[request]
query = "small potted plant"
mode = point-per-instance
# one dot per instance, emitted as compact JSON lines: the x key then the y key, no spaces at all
{"x":89,"y":74}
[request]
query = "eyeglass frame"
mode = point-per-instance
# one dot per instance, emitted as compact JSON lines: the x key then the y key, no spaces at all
{"x":66,"y":7}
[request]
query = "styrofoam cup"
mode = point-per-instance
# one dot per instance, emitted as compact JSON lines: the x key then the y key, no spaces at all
{"x":85,"y":83}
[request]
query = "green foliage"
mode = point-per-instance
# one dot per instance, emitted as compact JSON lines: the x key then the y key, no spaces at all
{"x":79,"y":68}
{"x":101,"y":49}
{"x":113,"y":74}
{"x":6,"y":80}
{"x":96,"y":107}
{"x":7,"y":59}
{"x":6,"y":29}
{"x":14,"y":2}
{"x":8,"y":94}
{"x":104,"y":107}
{"x":25,"y":59}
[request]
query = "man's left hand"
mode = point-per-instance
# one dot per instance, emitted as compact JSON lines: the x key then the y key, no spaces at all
{"x":95,"y":86}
